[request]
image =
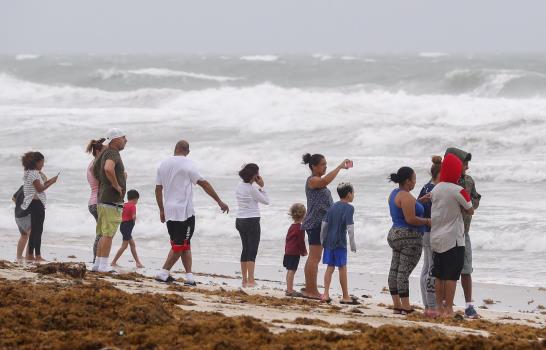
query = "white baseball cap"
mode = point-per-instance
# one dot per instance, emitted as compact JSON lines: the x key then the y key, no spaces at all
{"x":113,"y":134}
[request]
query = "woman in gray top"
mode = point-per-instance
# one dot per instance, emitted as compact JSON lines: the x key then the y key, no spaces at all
{"x":319,"y":200}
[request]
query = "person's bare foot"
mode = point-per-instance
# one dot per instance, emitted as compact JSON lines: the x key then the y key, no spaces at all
{"x":29,"y":258}
{"x":139,"y":265}
{"x":431,"y":313}
{"x":40,"y":259}
{"x":244,"y":284}
{"x":251,"y":284}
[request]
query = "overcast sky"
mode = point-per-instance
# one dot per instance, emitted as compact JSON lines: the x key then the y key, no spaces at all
{"x":273,"y":26}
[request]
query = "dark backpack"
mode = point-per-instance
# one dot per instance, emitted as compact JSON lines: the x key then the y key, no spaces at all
{"x":19,"y":198}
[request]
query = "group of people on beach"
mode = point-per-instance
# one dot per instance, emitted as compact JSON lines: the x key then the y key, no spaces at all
{"x":435,"y":224}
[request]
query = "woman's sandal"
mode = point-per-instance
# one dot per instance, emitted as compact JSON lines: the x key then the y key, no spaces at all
{"x":406,"y":312}
{"x":351,"y":302}
{"x":327,"y":301}
{"x":293,"y":294}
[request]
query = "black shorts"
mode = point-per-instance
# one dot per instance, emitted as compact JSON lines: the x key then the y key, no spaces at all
{"x":313,"y":236}
{"x":291,"y":262}
{"x":181,"y":231}
{"x":447,"y":266}
{"x":126,"y":229}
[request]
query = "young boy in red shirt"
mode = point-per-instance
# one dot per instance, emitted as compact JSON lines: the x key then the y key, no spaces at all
{"x":294,"y":248}
{"x":128,"y":218}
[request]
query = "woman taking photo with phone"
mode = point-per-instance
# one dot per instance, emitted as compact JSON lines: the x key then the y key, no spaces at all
{"x":34,"y":187}
{"x":319,"y":200}
{"x":250,"y":192}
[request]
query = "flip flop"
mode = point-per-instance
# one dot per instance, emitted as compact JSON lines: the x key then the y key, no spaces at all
{"x":397,"y":311}
{"x":352,"y":302}
{"x":293,"y":294}
{"x":407,"y":312}
{"x":190,"y":284}
{"x":327,"y":301}
{"x":458,"y":317}
{"x":319,"y":298}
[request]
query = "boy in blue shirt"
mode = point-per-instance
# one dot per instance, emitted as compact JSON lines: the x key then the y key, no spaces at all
{"x":337,"y":223}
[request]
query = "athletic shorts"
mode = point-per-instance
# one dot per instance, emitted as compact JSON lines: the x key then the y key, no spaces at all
{"x":109,"y":219}
{"x":23,"y":224}
{"x":181,"y":232}
{"x":447,"y":266}
{"x":291,"y":262}
{"x":467,"y":266}
{"x":335,"y":257}
{"x":313,"y":236}
{"x":126,"y":229}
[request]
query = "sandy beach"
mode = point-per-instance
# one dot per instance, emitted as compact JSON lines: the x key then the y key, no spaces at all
{"x":63,"y":305}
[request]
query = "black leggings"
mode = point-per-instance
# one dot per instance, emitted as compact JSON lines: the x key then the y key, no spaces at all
{"x":37,"y":217}
{"x":249,"y":230}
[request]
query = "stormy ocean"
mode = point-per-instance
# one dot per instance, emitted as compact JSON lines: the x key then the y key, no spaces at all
{"x":381,"y":111}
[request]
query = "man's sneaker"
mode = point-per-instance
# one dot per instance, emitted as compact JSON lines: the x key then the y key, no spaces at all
{"x":470,"y":312}
{"x":190,"y":283}
{"x":169,"y":279}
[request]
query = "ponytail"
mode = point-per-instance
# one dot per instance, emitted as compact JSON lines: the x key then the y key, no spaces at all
{"x":403,"y":174}
{"x":312,"y":160}
{"x":95,"y":146}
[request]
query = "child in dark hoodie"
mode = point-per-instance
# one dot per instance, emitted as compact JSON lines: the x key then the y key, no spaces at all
{"x":447,"y":232}
{"x":467,"y":182}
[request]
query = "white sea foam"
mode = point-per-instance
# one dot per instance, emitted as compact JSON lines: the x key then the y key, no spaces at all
{"x":489,"y":82}
{"x":160,"y":73}
{"x":432,"y":54}
{"x":349,"y":58}
{"x":322,"y":57}
{"x":260,"y":58}
{"x":26,"y":56}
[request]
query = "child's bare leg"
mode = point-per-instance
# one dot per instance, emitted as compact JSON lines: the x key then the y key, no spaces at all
{"x":121,"y":249}
{"x":344,"y":283}
{"x":290,"y":280}
{"x":328,"y":280}
{"x":132,"y":245}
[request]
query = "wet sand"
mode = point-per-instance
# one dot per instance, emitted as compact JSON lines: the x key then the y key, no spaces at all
{"x":64,"y":306}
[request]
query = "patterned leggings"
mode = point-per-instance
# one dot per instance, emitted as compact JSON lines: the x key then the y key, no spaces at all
{"x":406,"y":247}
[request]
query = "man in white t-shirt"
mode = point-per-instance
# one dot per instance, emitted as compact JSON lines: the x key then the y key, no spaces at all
{"x":447,"y":240}
{"x":176,"y":177}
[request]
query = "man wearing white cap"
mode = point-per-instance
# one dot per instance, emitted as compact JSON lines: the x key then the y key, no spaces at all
{"x":110,"y":172}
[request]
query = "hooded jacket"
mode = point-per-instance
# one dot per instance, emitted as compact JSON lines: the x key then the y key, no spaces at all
{"x":462,"y":155}
{"x":451,"y":170}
